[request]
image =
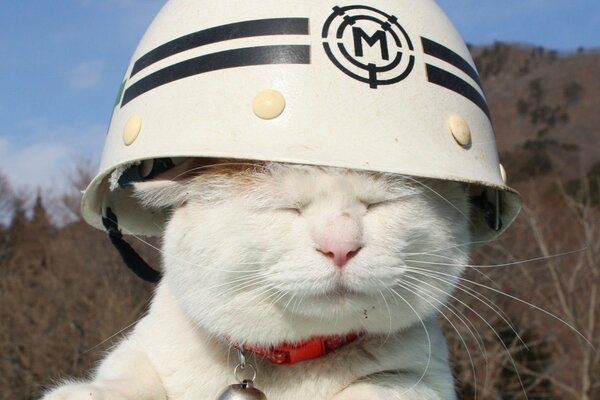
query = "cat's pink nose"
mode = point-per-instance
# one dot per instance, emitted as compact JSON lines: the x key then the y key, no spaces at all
{"x":339,"y":251}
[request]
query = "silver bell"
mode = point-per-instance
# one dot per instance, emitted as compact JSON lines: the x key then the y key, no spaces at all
{"x":242,"y":391}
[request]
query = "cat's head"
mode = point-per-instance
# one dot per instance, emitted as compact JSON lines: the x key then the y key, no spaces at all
{"x":271,"y":253}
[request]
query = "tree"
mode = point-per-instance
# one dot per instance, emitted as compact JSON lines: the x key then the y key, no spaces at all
{"x":536,"y":329}
{"x":6,"y":200}
{"x":39,"y":216}
{"x":79,"y":177}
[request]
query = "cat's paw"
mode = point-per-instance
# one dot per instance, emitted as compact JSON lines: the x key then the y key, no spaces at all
{"x":361,"y":392}
{"x":373,"y":392}
{"x":82,"y":391}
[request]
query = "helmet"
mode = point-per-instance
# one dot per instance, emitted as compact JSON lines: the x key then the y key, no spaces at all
{"x":385,"y":85}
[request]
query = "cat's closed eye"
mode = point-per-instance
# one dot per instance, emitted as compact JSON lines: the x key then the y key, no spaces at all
{"x":372,"y":204}
{"x":376,"y":204}
{"x":294,"y":207}
{"x":293,"y":210}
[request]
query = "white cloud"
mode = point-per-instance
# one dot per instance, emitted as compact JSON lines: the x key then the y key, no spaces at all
{"x":36,"y":165}
{"x":87,"y":75}
{"x":38,"y":155}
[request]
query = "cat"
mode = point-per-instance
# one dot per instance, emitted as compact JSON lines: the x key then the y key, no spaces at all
{"x":260,"y":254}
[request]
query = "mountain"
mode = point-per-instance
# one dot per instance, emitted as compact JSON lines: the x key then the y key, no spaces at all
{"x":545,"y":108}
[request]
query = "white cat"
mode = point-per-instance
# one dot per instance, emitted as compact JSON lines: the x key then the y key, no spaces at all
{"x":262,"y":255}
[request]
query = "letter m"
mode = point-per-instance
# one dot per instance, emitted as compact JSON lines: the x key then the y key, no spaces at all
{"x":378,"y":36}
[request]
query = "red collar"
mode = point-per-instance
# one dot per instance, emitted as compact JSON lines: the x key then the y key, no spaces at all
{"x":291,"y":353}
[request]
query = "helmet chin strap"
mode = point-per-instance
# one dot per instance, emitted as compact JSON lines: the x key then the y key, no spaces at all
{"x":488,"y":203}
{"x":131,"y":258}
{"x":145,"y":170}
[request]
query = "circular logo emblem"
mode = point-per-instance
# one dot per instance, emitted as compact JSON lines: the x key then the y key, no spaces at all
{"x":368,"y":45}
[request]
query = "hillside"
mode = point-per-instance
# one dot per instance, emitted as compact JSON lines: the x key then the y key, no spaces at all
{"x":545,"y":107}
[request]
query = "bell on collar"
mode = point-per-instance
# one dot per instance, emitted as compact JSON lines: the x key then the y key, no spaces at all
{"x":242,"y":391}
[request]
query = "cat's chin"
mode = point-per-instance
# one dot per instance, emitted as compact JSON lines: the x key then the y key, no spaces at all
{"x":335,"y":304}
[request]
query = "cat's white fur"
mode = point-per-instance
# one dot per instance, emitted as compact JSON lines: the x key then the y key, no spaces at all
{"x":240,"y":265}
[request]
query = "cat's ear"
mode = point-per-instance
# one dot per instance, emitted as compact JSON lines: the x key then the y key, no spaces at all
{"x":172,"y":188}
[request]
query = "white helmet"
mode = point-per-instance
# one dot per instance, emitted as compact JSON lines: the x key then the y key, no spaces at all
{"x":389,"y":86}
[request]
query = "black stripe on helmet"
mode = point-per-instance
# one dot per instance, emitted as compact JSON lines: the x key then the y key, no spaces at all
{"x":238,"y":30}
{"x":443,"y":53}
{"x":452,"y":82}
{"x":261,"y":55}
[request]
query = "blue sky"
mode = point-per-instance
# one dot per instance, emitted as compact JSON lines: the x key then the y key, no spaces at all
{"x":61,"y":63}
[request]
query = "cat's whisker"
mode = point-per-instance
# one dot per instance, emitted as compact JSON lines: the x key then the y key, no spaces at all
{"x":116,"y":333}
{"x":548,"y":313}
{"x":468,"y":291}
{"x":296,"y":305}
{"x":389,"y":316}
{"x":444,"y":249}
{"x":506,"y":264}
{"x":261,"y":292}
{"x":407,"y":286}
{"x":479,"y":339}
{"x":476,"y":295}
{"x":243,"y":286}
{"x":277,"y":295}
{"x":164,"y":253}
{"x":426,"y":256}
{"x":237,"y":279}
{"x":301,"y":298}
{"x":418,"y":182}
{"x":244,"y":278}
{"x":257,"y":292}
{"x":461,"y":316}
{"x":292,"y":297}
{"x":305,"y":279}
{"x":429,"y":346}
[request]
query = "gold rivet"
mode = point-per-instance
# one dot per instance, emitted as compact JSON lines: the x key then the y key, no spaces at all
{"x":268,"y":104}
{"x":132,"y":129}
{"x":460,"y":130}
{"x":503,"y":173}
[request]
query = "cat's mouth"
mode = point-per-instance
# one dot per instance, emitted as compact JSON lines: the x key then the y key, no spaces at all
{"x":339,"y":290}
{"x":336,"y":288}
